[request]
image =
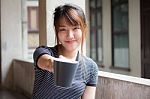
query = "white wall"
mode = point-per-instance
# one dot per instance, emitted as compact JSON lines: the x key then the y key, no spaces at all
{"x":135,"y":37}
{"x":106,"y":30}
{"x":11,"y":37}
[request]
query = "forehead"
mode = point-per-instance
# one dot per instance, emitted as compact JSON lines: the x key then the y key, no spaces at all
{"x":63,"y":21}
{"x":66,"y":22}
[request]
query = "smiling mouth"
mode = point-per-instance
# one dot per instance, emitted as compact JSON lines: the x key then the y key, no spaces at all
{"x":72,"y":41}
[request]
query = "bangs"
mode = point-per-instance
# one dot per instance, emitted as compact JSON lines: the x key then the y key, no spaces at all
{"x":72,"y":17}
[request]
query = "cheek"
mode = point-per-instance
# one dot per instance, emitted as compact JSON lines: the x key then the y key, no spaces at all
{"x":60,"y":37}
{"x":79,"y":35}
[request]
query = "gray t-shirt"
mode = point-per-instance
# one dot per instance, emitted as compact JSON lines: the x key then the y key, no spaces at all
{"x":44,"y":87}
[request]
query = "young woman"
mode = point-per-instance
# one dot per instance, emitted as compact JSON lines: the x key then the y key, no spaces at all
{"x":70,"y":28}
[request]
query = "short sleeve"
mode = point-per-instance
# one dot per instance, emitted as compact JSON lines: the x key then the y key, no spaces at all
{"x":39,"y":51}
{"x":93,"y":78}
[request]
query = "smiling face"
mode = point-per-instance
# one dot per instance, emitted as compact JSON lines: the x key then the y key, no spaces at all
{"x":70,"y":27}
{"x":70,"y":36}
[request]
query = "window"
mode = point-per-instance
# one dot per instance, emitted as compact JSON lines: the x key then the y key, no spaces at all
{"x":120,"y":39}
{"x":32,"y":27}
{"x":95,"y":7}
{"x":33,"y":19}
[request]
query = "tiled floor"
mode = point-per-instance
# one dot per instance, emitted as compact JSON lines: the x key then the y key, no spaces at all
{"x":10,"y":95}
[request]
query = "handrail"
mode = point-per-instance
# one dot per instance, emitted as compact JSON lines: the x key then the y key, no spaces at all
{"x":137,"y":80}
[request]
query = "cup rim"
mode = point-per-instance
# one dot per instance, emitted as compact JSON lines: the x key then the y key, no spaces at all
{"x":65,"y":61}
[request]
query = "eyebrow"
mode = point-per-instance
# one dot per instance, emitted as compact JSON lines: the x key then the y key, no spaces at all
{"x":67,"y":26}
{"x":62,"y":26}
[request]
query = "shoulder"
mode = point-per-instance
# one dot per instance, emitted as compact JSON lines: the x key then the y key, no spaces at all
{"x":41,"y":50}
{"x":90,"y":62}
{"x":46,"y":47}
{"x":46,"y":50}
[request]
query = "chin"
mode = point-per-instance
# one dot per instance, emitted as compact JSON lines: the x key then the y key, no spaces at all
{"x":72,"y":48}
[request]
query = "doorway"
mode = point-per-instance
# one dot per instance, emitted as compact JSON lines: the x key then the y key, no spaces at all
{"x":145,"y":40}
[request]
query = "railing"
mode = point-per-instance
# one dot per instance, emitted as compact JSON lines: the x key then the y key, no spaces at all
{"x":116,"y":86}
{"x":110,"y":86}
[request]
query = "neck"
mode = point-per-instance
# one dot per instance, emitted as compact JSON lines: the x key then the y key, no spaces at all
{"x":68,"y":54}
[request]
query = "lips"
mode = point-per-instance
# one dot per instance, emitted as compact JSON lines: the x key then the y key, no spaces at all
{"x":70,"y":41}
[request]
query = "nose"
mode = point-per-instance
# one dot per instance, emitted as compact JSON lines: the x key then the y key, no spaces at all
{"x":70,"y":34}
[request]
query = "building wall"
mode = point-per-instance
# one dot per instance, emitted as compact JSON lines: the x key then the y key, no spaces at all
{"x":11,"y":37}
{"x":110,"y":88}
{"x":24,"y":82}
{"x":135,"y":37}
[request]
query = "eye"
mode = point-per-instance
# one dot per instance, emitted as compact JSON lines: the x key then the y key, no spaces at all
{"x":76,"y":27}
{"x":62,"y":29}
